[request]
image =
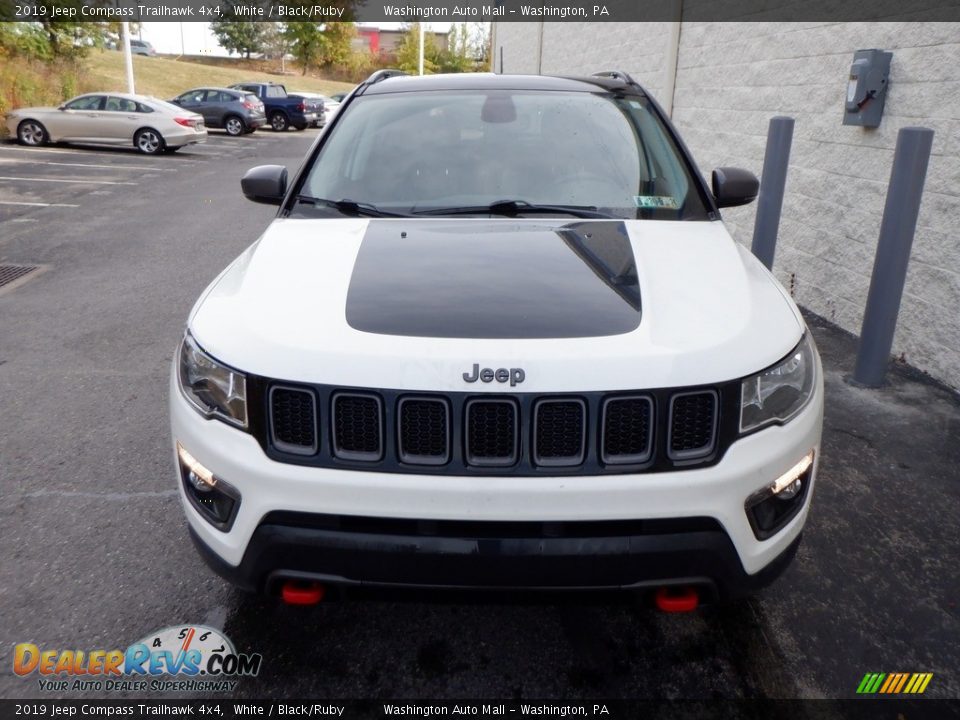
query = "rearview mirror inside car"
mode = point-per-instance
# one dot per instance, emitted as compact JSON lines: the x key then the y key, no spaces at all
{"x":265,"y":184}
{"x":734,"y":186}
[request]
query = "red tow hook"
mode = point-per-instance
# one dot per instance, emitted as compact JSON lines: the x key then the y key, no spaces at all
{"x":297,"y":592}
{"x":677,"y":599}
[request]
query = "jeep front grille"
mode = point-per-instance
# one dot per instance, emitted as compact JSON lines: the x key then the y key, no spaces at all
{"x":494,"y":434}
{"x":424,"y":431}
{"x":559,"y":432}
{"x":693,"y":422}
{"x":357,"y":423}
{"x":492,"y":437}
{"x":627,"y":430}
{"x":293,"y":420}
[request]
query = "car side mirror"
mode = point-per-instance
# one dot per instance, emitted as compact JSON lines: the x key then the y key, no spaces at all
{"x":265,"y":184}
{"x":734,"y":186}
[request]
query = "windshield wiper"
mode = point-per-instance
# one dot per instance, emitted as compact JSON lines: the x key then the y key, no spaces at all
{"x":349,"y":207}
{"x":514,"y":208}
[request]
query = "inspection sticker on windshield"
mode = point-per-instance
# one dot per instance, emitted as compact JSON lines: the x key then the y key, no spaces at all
{"x":655,"y":201}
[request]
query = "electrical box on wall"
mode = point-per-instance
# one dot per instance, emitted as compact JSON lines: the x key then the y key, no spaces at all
{"x":867,"y":88}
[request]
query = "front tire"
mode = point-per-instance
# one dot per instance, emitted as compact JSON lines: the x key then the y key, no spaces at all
{"x":234,"y":126}
{"x":32,"y":133}
{"x":148,"y":141}
{"x":279,"y":122}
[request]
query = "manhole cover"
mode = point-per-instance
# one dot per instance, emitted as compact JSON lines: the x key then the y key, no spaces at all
{"x":9,"y":273}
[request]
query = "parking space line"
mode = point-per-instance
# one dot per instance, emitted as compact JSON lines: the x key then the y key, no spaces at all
{"x":119,"y":153}
{"x":148,"y":168}
{"x":36,"y":204}
{"x":64,"y":180}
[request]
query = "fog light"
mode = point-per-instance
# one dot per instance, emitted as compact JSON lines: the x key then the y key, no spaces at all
{"x":216,"y":500}
{"x":201,"y":478}
{"x":791,"y":490}
{"x":771,"y":508}
{"x":791,"y":478}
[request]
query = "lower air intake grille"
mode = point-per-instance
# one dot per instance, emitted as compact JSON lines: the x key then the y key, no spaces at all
{"x":357,"y":427}
{"x":627,"y":430}
{"x":424,"y":431}
{"x":693,"y":422}
{"x":492,"y":437}
{"x":559,"y":432}
{"x":293,"y":420}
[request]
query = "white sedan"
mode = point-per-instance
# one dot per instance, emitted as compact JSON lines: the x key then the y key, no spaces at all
{"x":151,"y":125}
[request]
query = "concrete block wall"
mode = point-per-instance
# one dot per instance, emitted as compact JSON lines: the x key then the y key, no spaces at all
{"x":575,"y":48}
{"x":732,"y":78}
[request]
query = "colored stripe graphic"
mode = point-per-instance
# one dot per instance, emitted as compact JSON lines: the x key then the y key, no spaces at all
{"x":894,"y":683}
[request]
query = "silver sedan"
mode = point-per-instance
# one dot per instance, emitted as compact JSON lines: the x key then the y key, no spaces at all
{"x":151,"y":125}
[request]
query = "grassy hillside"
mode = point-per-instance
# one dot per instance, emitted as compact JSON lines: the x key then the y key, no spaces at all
{"x":167,"y":78}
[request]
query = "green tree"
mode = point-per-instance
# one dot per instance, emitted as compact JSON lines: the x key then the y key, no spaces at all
{"x":338,"y":37}
{"x":24,"y":38}
{"x":239,"y":36}
{"x":305,"y":40}
{"x":319,"y":44}
{"x":276,"y":42}
{"x":457,"y":57}
{"x":480,"y":46}
{"x":408,"y":51}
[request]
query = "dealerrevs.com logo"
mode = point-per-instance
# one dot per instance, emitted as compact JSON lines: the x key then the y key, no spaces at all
{"x":200,"y":658}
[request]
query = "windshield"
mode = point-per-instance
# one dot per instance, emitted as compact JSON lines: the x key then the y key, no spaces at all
{"x":427,"y":152}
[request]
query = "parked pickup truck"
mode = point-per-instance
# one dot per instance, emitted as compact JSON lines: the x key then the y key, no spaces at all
{"x":282,"y":110}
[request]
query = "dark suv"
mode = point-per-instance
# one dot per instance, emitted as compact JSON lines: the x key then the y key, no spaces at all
{"x":235,"y":111}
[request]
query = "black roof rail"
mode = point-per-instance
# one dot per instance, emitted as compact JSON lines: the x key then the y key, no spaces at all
{"x":616,"y":75}
{"x":379,"y":75}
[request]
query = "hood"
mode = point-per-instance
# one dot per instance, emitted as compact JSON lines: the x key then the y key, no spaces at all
{"x":416,"y":303}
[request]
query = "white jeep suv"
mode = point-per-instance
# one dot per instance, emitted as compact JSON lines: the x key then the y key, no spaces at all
{"x":497,"y":337}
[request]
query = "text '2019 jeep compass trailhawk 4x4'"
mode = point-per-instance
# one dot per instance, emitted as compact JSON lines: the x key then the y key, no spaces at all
{"x":497,"y":336}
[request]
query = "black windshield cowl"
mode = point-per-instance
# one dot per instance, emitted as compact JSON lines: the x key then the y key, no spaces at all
{"x":348,"y":207}
{"x":516,"y":208}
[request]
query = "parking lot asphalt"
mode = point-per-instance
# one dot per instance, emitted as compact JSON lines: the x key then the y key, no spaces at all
{"x":95,"y":547}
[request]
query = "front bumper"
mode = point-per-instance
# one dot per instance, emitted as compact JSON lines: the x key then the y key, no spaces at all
{"x":347,"y":526}
{"x":692,"y":552}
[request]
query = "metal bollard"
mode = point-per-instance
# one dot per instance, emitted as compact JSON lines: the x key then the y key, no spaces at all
{"x":893,"y":254}
{"x":776,"y":158}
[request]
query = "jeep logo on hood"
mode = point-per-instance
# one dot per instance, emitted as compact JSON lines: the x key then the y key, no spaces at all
{"x":501,"y":375}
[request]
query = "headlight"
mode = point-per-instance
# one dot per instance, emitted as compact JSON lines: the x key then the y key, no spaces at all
{"x":214,"y":389}
{"x":779,"y":392}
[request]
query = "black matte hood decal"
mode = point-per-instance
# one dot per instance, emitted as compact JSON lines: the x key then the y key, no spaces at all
{"x":494,"y":279}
